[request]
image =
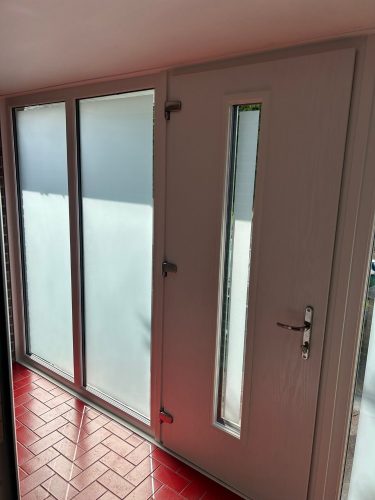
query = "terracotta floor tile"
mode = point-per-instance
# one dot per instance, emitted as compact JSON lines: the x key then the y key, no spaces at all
{"x":77,"y":404}
{"x":166,"y":459}
{"x":94,"y":424}
{"x":70,"y":450}
{"x":76,"y":417}
{"x":41,"y":395}
{"x":35,"y":479}
{"x":36,"y":407}
{"x":145,"y":490}
{"x":38,"y":493}
{"x":91,"y":456}
{"x":21,"y":400}
{"x":53,"y":425}
{"x":92,"y":492}
{"x":23,"y":454}
{"x":89,"y":475}
{"x":21,"y":383}
{"x":31,"y":376}
{"x":25,"y":436}
{"x":45,"y":384}
{"x":24,"y":389}
{"x":140,"y":453}
{"x":141,"y":471}
{"x":195,"y":490}
{"x":45,"y":442}
{"x":103,"y":418}
{"x":118,"y":445}
{"x":64,"y":467}
{"x":30,"y":420}
{"x":170,"y":478}
{"x":94,"y":439}
{"x":59,"y":488}
{"x":166,"y":493}
{"x":116,"y":484}
{"x":55,"y":412}
{"x":18,"y":368}
{"x":17,"y":377}
{"x":91,"y":412}
{"x":57,"y":391}
{"x":117,"y":463}
{"x":135,"y":440}
{"x":119,"y":430}
{"x":19,"y":410}
{"x":38,"y":461}
{"x":190,"y":473}
{"x":58,"y":400}
{"x":109,"y":496}
{"x":26,"y":376}
{"x":75,"y":434}
{"x":21,"y":474}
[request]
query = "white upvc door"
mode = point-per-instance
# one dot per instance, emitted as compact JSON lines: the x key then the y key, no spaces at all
{"x":255,"y":431}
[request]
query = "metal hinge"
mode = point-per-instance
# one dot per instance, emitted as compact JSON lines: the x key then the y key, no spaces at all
{"x":165,"y":417}
{"x":171,"y":106}
{"x":168,"y":267}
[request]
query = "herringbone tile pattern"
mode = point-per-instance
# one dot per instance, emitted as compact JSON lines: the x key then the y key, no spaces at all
{"x":68,"y":450}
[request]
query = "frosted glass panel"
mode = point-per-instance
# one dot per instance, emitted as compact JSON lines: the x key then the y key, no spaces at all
{"x":116,"y":140}
{"x":244,"y":142}
{"x":42,"y":168}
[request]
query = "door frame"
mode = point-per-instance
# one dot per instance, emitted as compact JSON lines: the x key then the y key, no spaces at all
{"x":354,"y":240}
{"x":349,"y":274}
{"x":71,"y":96}
{"x":9,"y":486}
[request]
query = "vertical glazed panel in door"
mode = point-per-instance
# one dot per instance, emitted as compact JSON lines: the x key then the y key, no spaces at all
{"x":236,"y":263}
{"x":305,"y":106}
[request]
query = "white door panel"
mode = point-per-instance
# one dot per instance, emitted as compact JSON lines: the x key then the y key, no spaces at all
{"x":300,"y":158}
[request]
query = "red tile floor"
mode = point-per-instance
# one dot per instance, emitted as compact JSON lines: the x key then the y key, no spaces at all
{"x":67,"y":450}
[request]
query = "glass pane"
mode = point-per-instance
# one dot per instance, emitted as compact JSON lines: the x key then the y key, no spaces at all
{"x":359,"y":478}
{"x":116,"y":139}
{"x":236,"y":272}
{"x":44,"y":207}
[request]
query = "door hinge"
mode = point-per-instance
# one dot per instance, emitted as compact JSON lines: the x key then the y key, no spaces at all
{"x":171,"y":106}
{"x":168,"y":267}
{"x":165,"y":417}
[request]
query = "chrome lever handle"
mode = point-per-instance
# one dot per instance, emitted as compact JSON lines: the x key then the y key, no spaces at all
{"x":305,"y":329}
{"x":294,"y":328}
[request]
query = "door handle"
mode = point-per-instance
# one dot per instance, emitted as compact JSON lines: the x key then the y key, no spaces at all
{"x":305,"y":329}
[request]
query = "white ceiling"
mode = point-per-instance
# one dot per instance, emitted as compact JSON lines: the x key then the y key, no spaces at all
{"x":45,"y":43}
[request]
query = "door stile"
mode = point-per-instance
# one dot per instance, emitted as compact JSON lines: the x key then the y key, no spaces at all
{"x":159,"y":189}
{"x":14,"y":230}
{"x":75,"y":242}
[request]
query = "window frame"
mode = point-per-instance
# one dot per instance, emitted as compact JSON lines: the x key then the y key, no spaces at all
{"x":262,"y":98}
{"x":71,"y":96}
